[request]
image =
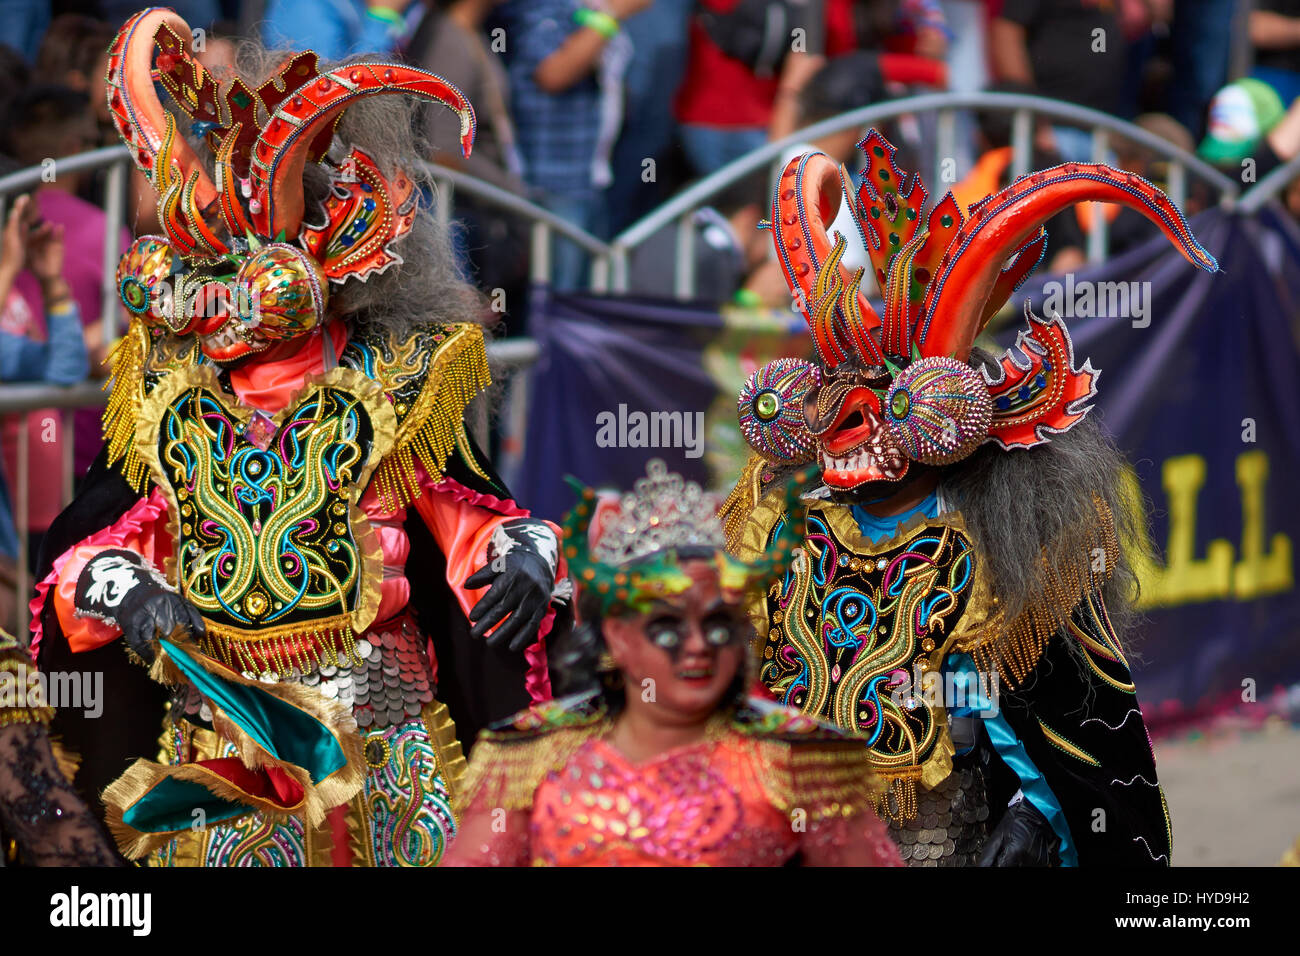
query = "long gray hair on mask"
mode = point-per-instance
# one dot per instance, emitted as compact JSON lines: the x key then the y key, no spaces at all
{"x":1034,"y":521}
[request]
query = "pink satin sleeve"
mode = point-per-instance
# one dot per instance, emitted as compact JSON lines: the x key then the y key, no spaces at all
{"x":143,"y":529}
{"x":394,"y":589}
{"x":462,"y":521}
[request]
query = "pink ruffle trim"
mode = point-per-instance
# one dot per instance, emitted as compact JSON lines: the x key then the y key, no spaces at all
{"x":145,"y":512}
{"x":450,"y":486}
{"x":538,"y":679}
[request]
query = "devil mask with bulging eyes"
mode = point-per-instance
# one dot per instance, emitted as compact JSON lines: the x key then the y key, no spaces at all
{"x":238,"y":266}
{"x":888,"y":393}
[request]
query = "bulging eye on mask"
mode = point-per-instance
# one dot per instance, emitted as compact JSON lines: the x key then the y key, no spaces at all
{"x":235,"y":305}
{"x":865,"y":426}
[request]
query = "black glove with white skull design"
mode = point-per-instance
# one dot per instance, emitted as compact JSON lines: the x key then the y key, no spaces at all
{"x":521,"y":573}
{"x":120,"y":587}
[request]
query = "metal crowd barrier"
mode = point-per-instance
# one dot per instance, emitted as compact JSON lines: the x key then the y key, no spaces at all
{"x":945,"y":107}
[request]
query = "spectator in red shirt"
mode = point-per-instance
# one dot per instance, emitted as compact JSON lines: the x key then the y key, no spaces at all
{"x":750,"y":60}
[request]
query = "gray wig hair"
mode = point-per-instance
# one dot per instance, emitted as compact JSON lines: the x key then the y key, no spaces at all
{"x":1034,"y":520}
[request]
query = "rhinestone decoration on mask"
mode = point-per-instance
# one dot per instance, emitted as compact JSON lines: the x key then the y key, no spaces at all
{"x":937,"y":412}
{"x":770,"y":411}
{"x":663,"y":512}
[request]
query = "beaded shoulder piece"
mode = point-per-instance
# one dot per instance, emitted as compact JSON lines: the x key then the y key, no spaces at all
{"x":138,"y":362}
{"x":511,"y":758}
{"x":429,"y":376}
{"x":808,"y":765}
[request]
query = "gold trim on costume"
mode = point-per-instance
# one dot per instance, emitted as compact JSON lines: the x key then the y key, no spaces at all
{"x":901,"y":773}
{"x":302,"y":643}
{"x":1066,"y":746}
{"x":434,"y":424}
{"x":506,"y":771}
{"x":318,"y":798}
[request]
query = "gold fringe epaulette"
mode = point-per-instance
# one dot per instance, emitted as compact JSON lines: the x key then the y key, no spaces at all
{"x":21,"y":702}
{"x":736,"y":509}
{"x":124,"y":385}
{"x":507,"y":768}
{"x":433,"y":426}
{"x":1014,"y":650}
{"x":824,"y":778}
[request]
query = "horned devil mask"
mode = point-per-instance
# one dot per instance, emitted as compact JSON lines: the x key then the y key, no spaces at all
{"x":889,"y":391}
{"x":239,"y":266}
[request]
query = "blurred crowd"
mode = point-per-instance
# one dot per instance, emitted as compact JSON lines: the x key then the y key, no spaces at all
{"x":600,"y":110}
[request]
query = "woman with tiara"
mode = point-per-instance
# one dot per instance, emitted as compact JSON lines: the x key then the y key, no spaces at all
{"x":661,"y":757}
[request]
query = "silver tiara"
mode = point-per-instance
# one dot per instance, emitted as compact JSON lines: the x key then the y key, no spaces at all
{"x":662,"y":512}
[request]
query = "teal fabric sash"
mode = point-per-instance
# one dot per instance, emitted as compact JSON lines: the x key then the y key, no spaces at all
{"x":1010,"y":749}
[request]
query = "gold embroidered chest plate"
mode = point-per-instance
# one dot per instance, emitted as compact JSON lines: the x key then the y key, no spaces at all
{"x":854,"y":628}
{"x":269,"y":543}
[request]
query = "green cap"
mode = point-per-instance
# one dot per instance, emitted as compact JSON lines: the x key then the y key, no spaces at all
{"x":1241,"y":114}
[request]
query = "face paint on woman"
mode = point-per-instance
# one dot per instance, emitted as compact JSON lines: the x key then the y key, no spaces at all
{"x":690,"y":647}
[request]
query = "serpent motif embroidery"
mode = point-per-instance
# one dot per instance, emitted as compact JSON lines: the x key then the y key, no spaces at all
{"x":852,"y":630}
{"x":256,"y":841}
{"x":410,"y":815}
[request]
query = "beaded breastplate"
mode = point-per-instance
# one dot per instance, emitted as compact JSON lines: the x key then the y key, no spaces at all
{"x":269,"y":541}
{"x":269,"y":544}
{"x":856,"y":635}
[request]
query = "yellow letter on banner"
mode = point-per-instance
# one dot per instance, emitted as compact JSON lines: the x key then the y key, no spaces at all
{"x":1186,"y":579}
{"x":1257,"y":573}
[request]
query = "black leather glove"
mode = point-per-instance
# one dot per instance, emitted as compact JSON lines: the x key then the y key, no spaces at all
{"x":520,"y":574}
{"x":1023,"y":837}
{"x":120,"y":587}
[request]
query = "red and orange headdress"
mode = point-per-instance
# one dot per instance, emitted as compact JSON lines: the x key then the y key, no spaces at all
{"x":262,"y":139}
{"x":915,"y":397}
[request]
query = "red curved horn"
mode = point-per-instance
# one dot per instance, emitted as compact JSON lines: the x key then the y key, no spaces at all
{"x":282,"y":150}
{"x":139,"y":116}
{"x":807,"y":199}
{"x":1002,"y":223}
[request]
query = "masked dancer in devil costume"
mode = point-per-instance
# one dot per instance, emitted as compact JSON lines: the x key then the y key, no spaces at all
{"x":288,"y":506}
{"x":964,"y":577}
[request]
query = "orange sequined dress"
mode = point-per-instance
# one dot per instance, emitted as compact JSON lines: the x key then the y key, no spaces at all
{"x":766,"y":786}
